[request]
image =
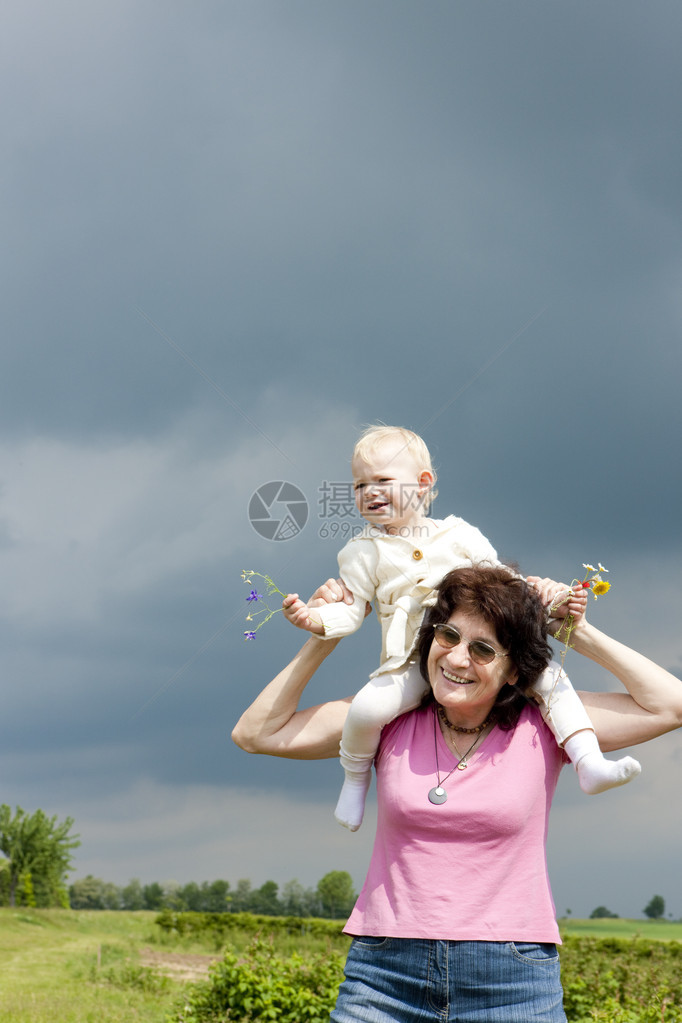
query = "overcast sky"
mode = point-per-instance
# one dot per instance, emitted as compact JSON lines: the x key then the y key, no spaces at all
{"x":234,"y":233}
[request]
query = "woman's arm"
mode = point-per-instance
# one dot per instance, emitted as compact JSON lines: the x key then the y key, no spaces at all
{"x":652,"y":705}
{"x":274,"y":725}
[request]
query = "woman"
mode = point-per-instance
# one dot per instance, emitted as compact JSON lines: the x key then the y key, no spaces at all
{"x":455,"y":920}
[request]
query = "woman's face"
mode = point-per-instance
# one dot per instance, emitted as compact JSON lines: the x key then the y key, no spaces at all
{"x":467,"y":691}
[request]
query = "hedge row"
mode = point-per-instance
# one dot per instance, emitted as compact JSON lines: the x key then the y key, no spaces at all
{"x":215,"y":925}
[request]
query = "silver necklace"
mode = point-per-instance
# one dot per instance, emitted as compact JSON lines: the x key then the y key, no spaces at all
{"x":438,"y":795}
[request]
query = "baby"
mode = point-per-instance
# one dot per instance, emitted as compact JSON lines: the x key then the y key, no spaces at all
{"x":396,"y":561}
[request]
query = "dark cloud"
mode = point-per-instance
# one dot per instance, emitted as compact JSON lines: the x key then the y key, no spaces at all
{"x":236,"y":234}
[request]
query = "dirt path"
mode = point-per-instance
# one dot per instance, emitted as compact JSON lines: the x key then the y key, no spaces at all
{"x":179,"y":966}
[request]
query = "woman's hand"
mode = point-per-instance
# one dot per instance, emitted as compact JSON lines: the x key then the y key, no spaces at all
{"x":331,"y":592}
{"x":559,"y":599}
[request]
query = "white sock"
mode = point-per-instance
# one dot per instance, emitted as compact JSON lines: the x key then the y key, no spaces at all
{"x":596,"y":773}
{"x":350,"y":808}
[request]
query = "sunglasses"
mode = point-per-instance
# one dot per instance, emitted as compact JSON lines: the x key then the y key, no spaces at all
{"x":480,"y":652}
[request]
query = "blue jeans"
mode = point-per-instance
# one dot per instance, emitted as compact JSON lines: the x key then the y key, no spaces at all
{"x":411,"y":980}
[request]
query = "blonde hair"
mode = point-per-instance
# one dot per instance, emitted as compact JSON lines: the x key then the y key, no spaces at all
{"x":372,"y":437}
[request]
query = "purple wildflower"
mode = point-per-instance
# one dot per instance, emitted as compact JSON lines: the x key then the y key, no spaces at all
{"x":253,"y":596}
{"x":249,"y":635}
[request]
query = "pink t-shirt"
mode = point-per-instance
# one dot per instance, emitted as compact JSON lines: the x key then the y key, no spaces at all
{"x":473,"y":868}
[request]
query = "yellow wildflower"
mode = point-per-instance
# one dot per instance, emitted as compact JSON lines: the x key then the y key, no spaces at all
{"x":592,"y":583}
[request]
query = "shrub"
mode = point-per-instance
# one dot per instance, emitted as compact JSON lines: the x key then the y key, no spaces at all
{"x":263,"y":986}
{"x":616,"y":980}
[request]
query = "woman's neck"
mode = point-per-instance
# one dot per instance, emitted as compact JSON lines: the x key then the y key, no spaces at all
{"x":457,"y":723}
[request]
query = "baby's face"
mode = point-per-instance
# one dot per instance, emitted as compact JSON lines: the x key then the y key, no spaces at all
{"x":389,"y":487}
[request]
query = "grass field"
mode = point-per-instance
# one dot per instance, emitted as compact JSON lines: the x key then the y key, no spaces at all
{"x":62,"y":966}
{"x":652,"y":930}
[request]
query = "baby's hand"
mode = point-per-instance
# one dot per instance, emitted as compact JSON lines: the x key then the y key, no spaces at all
{"x":300,"y":615}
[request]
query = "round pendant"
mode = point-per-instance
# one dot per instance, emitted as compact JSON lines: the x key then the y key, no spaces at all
{"x":462,"y":765}
{"x":437,"y":795}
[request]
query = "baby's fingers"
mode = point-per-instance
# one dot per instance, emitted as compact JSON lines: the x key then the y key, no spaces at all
{"x":293,"y":606}
{"x":577,"y":605}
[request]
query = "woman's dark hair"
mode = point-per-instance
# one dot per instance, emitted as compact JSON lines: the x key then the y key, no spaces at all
{"x":513,"y":609}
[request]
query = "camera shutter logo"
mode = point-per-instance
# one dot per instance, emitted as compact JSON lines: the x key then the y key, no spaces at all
{"x":278,"y":510}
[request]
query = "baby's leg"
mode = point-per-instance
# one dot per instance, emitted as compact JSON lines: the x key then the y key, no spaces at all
{"x":380,"y":701}
{"x":565,"y":714}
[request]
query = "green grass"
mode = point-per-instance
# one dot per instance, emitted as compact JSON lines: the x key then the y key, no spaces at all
{"x":608,"y":927}
{"x":61,"y":966}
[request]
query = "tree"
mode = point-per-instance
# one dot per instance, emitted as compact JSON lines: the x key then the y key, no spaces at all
{"x":242,"y":896}
{"x":265,"y":900}
{"x":602,"y":913}
{"x":217,"y":897}
{"x":153,"y":896}
{"x":299,"y":901}
{"x":336,"y":892}
{"x":132,"y":896}
{"x":172,"y":896}
{"x":39,"y":853}
{"x":94,"y":893}
{"x":656,"y":908}
{"x":4,"y":882}
{"x":192,"y":897}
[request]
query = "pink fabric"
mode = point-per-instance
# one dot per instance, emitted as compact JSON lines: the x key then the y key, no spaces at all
{"x":473,"y":868}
